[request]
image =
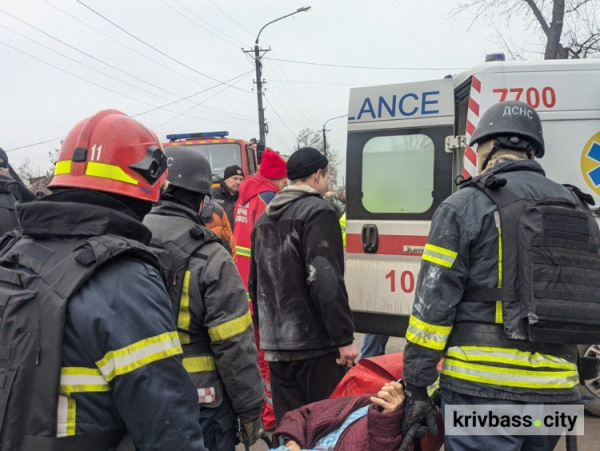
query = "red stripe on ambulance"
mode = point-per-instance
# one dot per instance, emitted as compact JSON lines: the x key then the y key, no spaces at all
{"x":411,"y":245}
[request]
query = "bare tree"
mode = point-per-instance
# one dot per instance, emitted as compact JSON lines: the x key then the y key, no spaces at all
{"x":567,"y":28}
{"x":313,"y":138}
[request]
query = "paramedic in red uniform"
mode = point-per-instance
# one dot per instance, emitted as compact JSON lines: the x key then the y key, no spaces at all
{"x":255,"y":194}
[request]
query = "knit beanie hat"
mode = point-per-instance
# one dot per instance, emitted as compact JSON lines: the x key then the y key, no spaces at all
{"x":230,"y":171}
{"x":304,"y":162}
{"x":272,"y":166}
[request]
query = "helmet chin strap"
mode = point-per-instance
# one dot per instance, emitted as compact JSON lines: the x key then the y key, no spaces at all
{"x":510,"y":143}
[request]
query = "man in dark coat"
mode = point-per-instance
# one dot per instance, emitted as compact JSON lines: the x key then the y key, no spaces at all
{"x":226,"y":194}
{"x":11,"y":192}
{"x":297,"y":285}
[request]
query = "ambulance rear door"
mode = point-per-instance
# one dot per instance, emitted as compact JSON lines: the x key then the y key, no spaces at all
{"x":398,"y":173}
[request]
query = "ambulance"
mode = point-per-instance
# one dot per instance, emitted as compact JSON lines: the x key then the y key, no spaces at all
{"x":408,"y":145}
{"x":220,"y":150}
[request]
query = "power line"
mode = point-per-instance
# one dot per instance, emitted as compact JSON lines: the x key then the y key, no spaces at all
{"x":229,"y":38}
{"x":155,"y":49}
{"x":135,"y":115}
{"x":232,"y":19}
{"x":282,"y":121}
{"x":153,"y":61}
{"x":364,"y":67}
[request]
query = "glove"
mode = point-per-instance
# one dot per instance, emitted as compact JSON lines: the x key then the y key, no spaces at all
{"x":250,"y":432}
{"x":419,"y":409}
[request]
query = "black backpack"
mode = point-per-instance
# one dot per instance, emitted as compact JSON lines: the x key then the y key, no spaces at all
{"x":37,"y":278}
{"x":550,"y":289}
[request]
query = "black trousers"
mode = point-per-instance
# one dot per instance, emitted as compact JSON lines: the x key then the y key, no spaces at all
{"x":297,"y":383}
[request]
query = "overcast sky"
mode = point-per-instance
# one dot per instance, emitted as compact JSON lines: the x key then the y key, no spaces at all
{"x":94,"y":69}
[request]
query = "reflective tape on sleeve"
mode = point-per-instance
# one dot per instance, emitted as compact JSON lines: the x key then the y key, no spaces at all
{"x":79,"y":380}
{"x":130,"y":358}
{"x":427,"y":335}
{"x":199,"y":364}
{"x":243,"y":251}
{"x":510,"y":377}
{"x":439,"y":255}
{"x":231,"y":328}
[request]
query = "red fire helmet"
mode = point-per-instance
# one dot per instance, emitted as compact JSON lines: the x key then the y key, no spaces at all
{"x":114,"y":153}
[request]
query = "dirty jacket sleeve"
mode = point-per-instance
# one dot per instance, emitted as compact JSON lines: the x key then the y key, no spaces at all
{"x":229,"y":325}
{"x":123,"y":317}
{"x":440,"y":287}
{"x":324,"y":259}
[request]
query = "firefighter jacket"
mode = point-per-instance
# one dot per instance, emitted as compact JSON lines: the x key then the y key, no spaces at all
{"x":212,"y":316}
{"x":226,"y":200}
{"x":297,"y":274}
{"x":121,"y":357}
{"x":464,"y":252}
{"x":255,"y":194}
{"x":11,"y":192}
{"x":216,"y":220}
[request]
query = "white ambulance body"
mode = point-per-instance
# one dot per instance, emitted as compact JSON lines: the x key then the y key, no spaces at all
{"x":406,"y":146}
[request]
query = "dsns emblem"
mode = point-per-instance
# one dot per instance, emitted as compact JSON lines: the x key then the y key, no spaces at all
{"x":590,"y":163}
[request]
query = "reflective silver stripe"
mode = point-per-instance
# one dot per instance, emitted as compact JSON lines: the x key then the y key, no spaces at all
{"x":439,"y":255}
{"x":440,"y":338}
{"x":509,"y":376}
{"x":508,"y":356}
{"x":61,"y":417}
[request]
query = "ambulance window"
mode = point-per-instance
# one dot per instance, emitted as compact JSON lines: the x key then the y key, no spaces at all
{"x":397,"y":174}
{"x":250,"y":157}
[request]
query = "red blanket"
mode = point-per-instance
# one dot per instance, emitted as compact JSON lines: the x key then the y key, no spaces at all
{"x":375,"y":432}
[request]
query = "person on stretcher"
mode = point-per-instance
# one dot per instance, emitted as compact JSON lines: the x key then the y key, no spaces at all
{"x":363,"y":422}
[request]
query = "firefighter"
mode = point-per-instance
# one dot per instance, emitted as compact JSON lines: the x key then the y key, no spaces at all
{"x":227,"y":193}
{"x":464,"y":308}
{"x":209,"y":301}
{"x":11,"y":192}
{"x":109,"y":361}
{"x":255,"y":195}
{"x":296,"y":284}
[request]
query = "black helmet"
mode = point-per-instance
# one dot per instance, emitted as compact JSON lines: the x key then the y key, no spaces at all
{"x":511,"y":119}
{"x":188,"y":169}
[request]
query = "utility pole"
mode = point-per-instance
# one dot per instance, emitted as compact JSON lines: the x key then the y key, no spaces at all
{"x":262,"y":126}
{"x":325,"y":132}
{"x":324,"y":141}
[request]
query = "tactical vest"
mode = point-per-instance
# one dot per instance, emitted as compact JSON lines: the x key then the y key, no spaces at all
{"x":37,"y":278}
{"x":550,"y":276}
{"x":175,"y":240}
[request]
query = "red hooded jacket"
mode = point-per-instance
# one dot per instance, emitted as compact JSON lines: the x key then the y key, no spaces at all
{"x":255,"y":194}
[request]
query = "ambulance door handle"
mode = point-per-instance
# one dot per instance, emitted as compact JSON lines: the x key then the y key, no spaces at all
{"x":370,"y":238}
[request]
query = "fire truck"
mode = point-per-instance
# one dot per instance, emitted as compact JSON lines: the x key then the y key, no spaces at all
{"x":220,"y":150}
{"x":407,"y":144}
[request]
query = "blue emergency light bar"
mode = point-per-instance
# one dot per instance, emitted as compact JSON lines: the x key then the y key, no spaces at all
{"x":176,"y":136}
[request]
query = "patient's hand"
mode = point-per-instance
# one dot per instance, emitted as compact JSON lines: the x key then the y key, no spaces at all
{"x":292,"y":446}
{"x":390,"y":398}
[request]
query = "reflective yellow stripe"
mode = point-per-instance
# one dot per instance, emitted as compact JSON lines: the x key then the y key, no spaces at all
{"x":184,"y":318}
{"x":137,"y":355}
{"x":109,"y":171}
{"x":80,"y":380}
{"x":427,"y":335}
{"x":499,"y":319}
{"x":199,"y":364}
{"x":509,"y":376}
{"x":439,"y":255}
{"x":71,"y":416}
{"x":230,"y":328}
{"x":509,"y":357}
{"x":62,"y":167}
{"x":244,"y":251}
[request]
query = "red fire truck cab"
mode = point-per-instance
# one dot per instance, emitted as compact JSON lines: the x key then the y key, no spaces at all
{"x":220,"y":150}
